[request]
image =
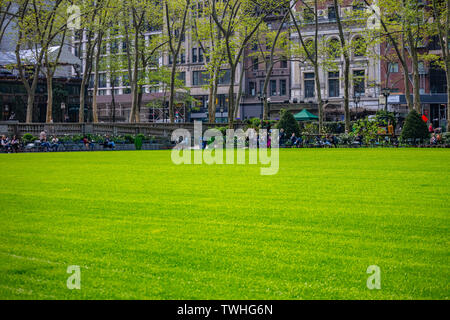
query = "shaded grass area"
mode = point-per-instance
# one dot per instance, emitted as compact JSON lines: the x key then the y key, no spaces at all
{"x":141,"y":227}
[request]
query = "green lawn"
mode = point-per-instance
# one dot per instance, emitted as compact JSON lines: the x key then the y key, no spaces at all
{"x":141,"y":227}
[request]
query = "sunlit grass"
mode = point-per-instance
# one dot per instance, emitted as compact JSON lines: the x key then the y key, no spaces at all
{"x":142,"y":227}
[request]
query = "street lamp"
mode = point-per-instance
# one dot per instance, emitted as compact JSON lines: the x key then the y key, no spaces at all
{"x":221,"y":114}
{"x":63,"y":111}
{"x":6,"y":111}
{"x":356,"y":100}
{"x":386,"y":92}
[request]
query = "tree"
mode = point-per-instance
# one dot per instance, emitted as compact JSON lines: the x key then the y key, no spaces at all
{"x":238,"y":21}
{"x":37,"y":30}
{"x":441,"y":27}
{"x":311,"y":51}
{"x":208,"y":37}
{"x":288,"y":123}
{"x":176,"y":12}
{"x":6,"y":16}
{"x":414,"y":127}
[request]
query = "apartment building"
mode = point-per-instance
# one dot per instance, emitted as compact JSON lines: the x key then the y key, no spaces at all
{"x":365,"y":72}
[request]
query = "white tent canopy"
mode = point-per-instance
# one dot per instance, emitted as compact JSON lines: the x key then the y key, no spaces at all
{"x":29,"y":57}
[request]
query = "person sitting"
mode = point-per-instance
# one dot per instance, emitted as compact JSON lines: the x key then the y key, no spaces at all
{"x":282,"y":137}
{"x":433,"y":140}
{"x":299,"y":142}
{"x":15,"y":144}
{"x":54,"y":144}
{"x":108,"y":143}
{"x":334,"y":140}
{"x":293,"y":139}
{"x":5,"y":144}
{"x":327,"y":141}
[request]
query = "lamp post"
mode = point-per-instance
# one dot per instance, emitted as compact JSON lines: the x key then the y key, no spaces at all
{"x":386,"y":92}
{"x":63,"y":111}
{"x":6,"y":111}
{"x":221,"y":114}
{"x":356,"y":100}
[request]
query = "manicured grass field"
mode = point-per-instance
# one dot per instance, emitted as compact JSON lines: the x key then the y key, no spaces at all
{"x":141,"y":227}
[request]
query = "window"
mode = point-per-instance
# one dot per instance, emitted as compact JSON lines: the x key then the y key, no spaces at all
{"x":284,"y":63}
{"x":283,"y":87}
{"x":255,"y":64}
{"x":333,"y":84}
{"x":421,"y":67}
{"x":252,"y":88}
{"x":199,"y":78}
{"x":358,"y":5}
{"x":225,"y":77}
{"x":393,"y":67}
{"x":194,"y":55}
{"x":102,"y":80}
{"x":182,"y":76}
{"x":308,"y":15}
{"x":261,"y":87}
{"x":358,"y":82}
{"x":273,"y":87}
{"x":200,"y":55}
{"x":114,"y":47}
{"x":309,"y":85}
{"x":332,"y":13}
{"x":334,"y":48}
{"x":124,"y":47}
{"x":182,"y":57}
{"x":360,"y":47}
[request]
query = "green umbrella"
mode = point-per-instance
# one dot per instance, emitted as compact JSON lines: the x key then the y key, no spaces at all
{"x":305,"y":115}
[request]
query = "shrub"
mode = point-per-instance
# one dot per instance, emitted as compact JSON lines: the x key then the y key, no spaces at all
{"x":28,"y":138}
{"x":138,"y":141}
{"x":129,"y":138}
{"x":254,"y":123}
{"x":288,"y":123}
{"x":414,"y":128}
{"x":446,"y":137}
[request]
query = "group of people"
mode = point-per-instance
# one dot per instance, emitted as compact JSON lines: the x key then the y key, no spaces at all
{"x":10,"y":145}
{"x":296,"y":142}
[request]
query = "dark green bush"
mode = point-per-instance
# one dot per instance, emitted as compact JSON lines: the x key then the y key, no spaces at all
{"x":129,"y":138}
{"x":288,"y":123}
{"x":414,"y":128}
{"x":138,"y":142}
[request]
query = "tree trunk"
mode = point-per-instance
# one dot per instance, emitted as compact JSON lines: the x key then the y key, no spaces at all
{"x":49,"y":112}
{"x":172,"y":89}
{"x":415,"y":71}
{"x":319,"y":97}
{"x":231,"y":97}
{"x":211,"y":104}
{"x":30,"y":105}
{"x":238,"y":99}
{"x":82,"y":100}
{"x":94,"y":93}
{"x":138,"y":106}
{"x":347,"y":92}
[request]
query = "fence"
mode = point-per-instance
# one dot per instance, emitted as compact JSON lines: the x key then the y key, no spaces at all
{"x":113,"y":129}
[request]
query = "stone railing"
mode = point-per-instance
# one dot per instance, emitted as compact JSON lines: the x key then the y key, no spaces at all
{"x":10,"y":128}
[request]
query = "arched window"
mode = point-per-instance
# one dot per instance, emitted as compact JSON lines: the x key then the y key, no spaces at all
{"x":334,"y":48}
{"x":359,"y":47}
{"x":310,"y":46}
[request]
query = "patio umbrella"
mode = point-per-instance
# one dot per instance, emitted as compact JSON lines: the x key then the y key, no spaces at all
{"x":305,"y":115}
